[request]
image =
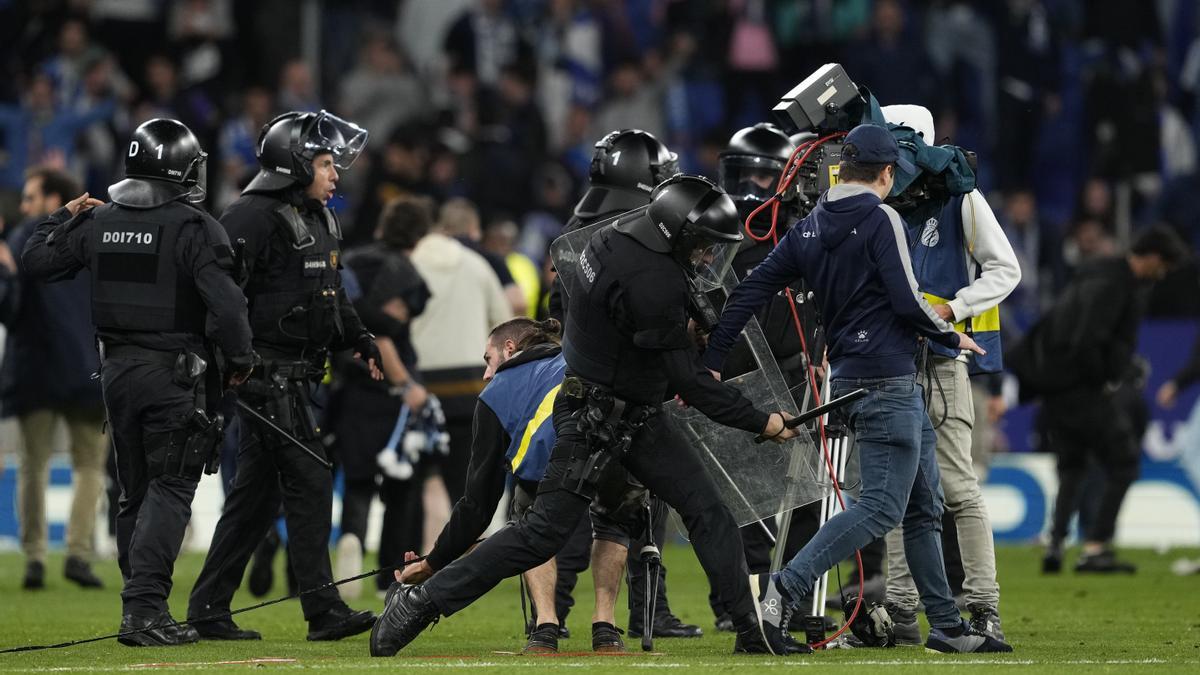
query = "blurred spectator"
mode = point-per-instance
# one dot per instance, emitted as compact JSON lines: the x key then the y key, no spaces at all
{"x":500,"y":240}
{"x":1027,"y":85}
{"x":367,"y":411}
{"x":893,"y":63}
{"x":466,"y":301}
{"x":382,"y":92}
{"x":39,"y":130}
{"x":751,"y":62}
{"x":1096,"y":202}
{"x":511,"y":141}
{"x":570,"y":64}
{"x":552,"y":208}
{"x":98,"y":153}
{"x":201,"y":29}
{"x":636,"y":91}
{"x":1089,"y":239}
{"x":238,"y":143}
{"x":483,"y":41}
{"x":49,"y":357}
{"x":459,"y":218}
{"x":397,"y":169}
{"x":166,"y":96}
{"x":297,"y":87}
{"x":1039,"y":253}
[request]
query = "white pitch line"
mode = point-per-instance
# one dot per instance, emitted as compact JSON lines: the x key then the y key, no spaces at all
{"x":543,"y":662}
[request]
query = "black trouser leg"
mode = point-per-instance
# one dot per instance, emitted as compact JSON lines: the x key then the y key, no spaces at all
{"x":403,"y":522}
{"x":1072,"y":468}
{"x":250,"y":510}
{"x":144,"y":407}
{"x":673,"y":471}
{"x":951,"y":555}
{"x":356,"y":505}
{"x":571,"y":561}
{"x":1120,"y":465}
{"x":307,"y":491}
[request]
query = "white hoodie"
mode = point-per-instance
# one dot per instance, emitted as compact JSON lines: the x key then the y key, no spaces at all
{"x":466,"y":302}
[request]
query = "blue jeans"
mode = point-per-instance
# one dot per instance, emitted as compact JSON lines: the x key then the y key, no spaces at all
{"x":899,"y":481}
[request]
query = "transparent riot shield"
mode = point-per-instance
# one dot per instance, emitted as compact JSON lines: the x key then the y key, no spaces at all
{"x":756,"y":481}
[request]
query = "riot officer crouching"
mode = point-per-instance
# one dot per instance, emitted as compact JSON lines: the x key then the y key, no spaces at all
{"x":288,"y":242}
{"x":627,"y":350}
{"x":161,"y":271}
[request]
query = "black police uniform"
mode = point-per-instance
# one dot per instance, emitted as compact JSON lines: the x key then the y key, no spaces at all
{"x":161,"y":283}
{"x":627,"y":334}
{"x":299,"y":312}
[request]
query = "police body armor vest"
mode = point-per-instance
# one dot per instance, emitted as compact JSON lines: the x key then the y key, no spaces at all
{"x":939,"y":259}
{"x":523,"y":399}
{"x":297,"y":305}
{"x":598,"y":343}
{"x":137,"y":284}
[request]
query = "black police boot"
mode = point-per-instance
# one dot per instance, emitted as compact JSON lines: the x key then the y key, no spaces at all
{"x":35,"y":576}
{"x":1104,"y":562}
{"x":750,"y":638}
{"x":724,"y":624}
{"x":542,"y":640}
{"x":407,"y":610}
{"x":80,"y":571}
{"x":606,"y":639}
{"x":155,"y":631}
{"x":223,"y":629}
{"x":339,"y":622}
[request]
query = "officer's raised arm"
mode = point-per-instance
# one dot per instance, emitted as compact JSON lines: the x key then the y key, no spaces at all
{"x":57,"y":249}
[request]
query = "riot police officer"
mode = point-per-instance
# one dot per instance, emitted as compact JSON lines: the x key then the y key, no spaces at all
{"x":627,"y":349}
{"x":626,"y":165}
{"x":299,"y":312}
{"x":161,"y":271}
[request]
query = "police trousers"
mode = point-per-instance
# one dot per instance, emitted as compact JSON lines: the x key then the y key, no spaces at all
{"x":270,"y":470}
{"x":662,"y":462}
{"x":145,"y":407}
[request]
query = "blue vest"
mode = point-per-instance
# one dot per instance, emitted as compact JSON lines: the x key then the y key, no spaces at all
{"x":523,"y":399}
{"x":939,"y":258}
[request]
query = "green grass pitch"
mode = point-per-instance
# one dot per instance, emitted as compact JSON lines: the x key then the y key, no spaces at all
{"x":1145,"y":623}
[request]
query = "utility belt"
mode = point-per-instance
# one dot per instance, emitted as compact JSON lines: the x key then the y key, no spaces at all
{"x":608,"y":425}
{"x":280,"y":390}
{"x":197,"y":444}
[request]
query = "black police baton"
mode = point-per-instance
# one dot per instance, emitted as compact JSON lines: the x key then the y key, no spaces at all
{"x":285,"y":435}
{"x":818,"y":411}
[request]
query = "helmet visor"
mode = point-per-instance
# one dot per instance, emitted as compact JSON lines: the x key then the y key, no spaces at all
{"x":332,"y":134}
{"x":749,"y":177}
{"x":710,"y":262}
{"x":198,"y":180}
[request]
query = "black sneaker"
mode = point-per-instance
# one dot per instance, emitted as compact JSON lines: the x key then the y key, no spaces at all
{"x":407,"y":610}
{"x":542,"y":640}
{"x":666,"y":626}
{"x":339,"y":622}
{"x":35,"y":576}
{"x":1052,"y":559}
{"x":774,"y":611}
{"x":80,"y":571}
{"x":223,"y":629}
{"x":986,"y":620}
{"x":606,"y":638}
{"x":1105,"y":562}
{"x":963,"y":639}
{"x":155,"y":631}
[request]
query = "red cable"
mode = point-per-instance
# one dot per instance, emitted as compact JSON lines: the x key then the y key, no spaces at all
{"x":785,"y":181}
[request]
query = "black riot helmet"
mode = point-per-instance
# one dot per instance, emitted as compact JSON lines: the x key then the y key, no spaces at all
{"x":750,"y":167}
{"x":626,"y":165}
{"x":287,"y":145}
{"x":163,"y":163}
{"x":694,"y":221}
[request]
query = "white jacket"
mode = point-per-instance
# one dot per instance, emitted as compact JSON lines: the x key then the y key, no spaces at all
{"x":466,"y":302}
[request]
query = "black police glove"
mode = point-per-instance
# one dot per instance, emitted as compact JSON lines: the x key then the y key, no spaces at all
{"x":240,"y":367}
{"x":365,"y":349}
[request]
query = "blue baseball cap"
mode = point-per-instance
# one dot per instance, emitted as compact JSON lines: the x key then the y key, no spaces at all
{"x":874,"y":144}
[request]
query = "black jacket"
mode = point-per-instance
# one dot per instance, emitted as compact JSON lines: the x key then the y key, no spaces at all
{"x":50,"y":349}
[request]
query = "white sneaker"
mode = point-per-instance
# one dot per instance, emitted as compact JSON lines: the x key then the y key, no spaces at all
{"x":1185,"y":567}
{"x":349,"y":564}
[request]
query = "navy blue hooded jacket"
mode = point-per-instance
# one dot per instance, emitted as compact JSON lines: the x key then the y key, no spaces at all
{"x":853,"y":252}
